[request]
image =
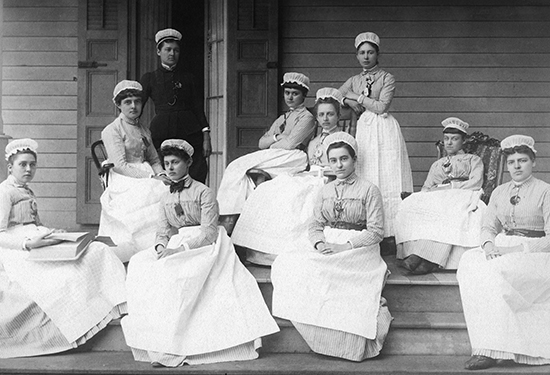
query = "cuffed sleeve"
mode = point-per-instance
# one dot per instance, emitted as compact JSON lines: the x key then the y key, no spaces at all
{"x":267,"y":139}
{"x":300,"y":133}
{"x":430,"y":180}
{"x":491,"y":223}
{"x":542,"y":244}
{"x":164,"y":227}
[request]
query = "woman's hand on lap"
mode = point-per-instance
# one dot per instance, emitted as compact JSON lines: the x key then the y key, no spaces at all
{"x":40,"y":241}
{"x":163,"y":252}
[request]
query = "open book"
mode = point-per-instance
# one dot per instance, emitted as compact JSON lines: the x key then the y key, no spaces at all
{"x":72,"y":247}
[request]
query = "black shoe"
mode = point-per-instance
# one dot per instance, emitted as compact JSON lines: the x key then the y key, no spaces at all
{"x":424,"y":267}
{"x":411,"y":262}
{"x":479,"y":362}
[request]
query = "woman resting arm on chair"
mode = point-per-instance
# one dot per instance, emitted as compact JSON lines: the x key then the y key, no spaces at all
{"x":128,"y":205}
{"x":433,"y":228}
{"x":50,"y":306}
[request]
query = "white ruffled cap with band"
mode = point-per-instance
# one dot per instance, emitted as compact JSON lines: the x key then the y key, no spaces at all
{"x":329,"y":92}
{"x":341,"y":137}
{"x":178,"y":143}
{"x":125,"y":85}
{"x":367,"y":37}
{"x":18,"y":145}
{"x":297,"y":78}
{"x":455,"y":122}
{"x":167,"y":34}
{"x":518,"y":140}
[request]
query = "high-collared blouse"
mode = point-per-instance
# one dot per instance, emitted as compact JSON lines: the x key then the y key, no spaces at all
{"x":463,"y":166}
{"x":194,"y":205}
{"x":317,"y":150}
{"x":382,"y":89}
{"x":532,"y":212}
{"x":128,"y":142}
{"x":351,"y":201}
{"x":17,"y":206}
{"x":299,"y":128}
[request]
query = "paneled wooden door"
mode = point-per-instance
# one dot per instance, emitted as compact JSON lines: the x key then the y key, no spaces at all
{"x":252,"y":73}
{"x":102,"y":55}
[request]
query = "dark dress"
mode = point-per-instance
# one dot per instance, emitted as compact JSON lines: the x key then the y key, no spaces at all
{"x":179,"y":112}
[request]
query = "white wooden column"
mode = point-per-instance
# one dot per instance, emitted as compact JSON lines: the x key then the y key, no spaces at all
{"x":3,"y":137}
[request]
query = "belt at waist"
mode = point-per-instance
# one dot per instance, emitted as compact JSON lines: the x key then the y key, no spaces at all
{"x":348,"y":226}
{"x":525,"y":233}
{"x":448,"y":180}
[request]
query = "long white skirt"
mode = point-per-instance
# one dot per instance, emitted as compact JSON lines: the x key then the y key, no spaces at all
{"x":197,"y":306}
{"x":507,"y":303}
{"x":383,"y":160}
{"x":439,"y":226}
{"x":236,"y":186}
{"x":339,"y":292}
{"x":50,"y":307}
{"x":275,"y":217}
{"x":130,"y":212}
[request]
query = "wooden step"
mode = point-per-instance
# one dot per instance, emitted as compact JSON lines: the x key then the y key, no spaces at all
{"x":410,"y":333}
{"x":122,"y":363}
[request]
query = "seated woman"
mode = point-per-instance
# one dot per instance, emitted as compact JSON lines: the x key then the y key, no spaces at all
{"x":129,"y":210}
{"x":280,"y":147}
{"x":434,"y":228}
{"x":190,"y":300}
{"x":332,"y":293}
{"x":504,"y":283}
{"x":284,"y":204}
{"x":49,"y":306}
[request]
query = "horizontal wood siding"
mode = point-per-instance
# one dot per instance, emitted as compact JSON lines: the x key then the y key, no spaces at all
{"x":485,"y":61}
{"x":39,"y":88}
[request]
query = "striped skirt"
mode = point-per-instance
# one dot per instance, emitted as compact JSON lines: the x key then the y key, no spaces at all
{"x":347,"y":345}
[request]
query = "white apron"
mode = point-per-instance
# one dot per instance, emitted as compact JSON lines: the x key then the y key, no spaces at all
{"x":449,"y":216}
{"x":75,"y":295}
{"x":383,"y":160}
{"x":507,"y":300}
{"x":130,"y":211}
{"x":280,"y":206}
{"x":194,"y":302}
{"x":235,"y":186}
{"x":340,"y":291}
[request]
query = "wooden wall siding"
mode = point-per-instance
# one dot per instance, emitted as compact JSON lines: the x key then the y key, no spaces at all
{"x":487,"y":62}
{"x":39,"y":96}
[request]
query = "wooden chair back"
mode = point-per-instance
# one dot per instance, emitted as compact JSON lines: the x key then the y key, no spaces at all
{"x":99,"y":156}
{"x":488,"y":149}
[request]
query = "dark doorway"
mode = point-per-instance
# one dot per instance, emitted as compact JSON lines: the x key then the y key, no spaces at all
{"x":188,"y":18}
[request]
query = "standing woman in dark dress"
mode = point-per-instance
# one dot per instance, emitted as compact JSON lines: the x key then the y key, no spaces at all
{"x":179,"y":110}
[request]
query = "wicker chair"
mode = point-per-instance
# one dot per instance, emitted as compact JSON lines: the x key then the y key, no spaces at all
{"x":488,"y":149}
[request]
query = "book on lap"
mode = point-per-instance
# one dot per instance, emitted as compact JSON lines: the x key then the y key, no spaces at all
{"x":72,"y":247}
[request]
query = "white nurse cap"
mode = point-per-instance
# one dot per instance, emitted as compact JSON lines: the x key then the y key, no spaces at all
{"x":341,"y":137}
{"x":518,"y":140}
{"x":18,"y":145}
{"x":367,"y":37}
{"x":125,"y":85}
{"x":167,"y":34}
{"x":178,"y":143}
{"x":456,"y":123}
{"x":297,"y":78}
{"x":329,"y":92}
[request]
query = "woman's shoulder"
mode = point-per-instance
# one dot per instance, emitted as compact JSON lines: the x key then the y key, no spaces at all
{"x":113,"y":127}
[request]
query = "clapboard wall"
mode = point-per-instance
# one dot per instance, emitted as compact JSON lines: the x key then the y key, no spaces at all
{"x":39,"y":91}
{"x":487,"y":62}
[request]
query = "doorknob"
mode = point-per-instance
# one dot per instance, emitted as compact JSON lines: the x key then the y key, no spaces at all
{"x":272,"y":65}
{"x":90,"y":64}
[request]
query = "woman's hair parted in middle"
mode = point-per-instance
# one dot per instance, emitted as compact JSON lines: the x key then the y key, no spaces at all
{"x":175,"y":151}
{"x":522,"y":149}
{"x":328,"y":100}
{"x":340,"y":145}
